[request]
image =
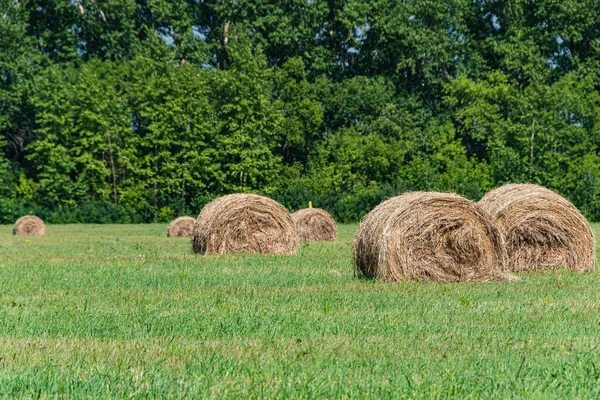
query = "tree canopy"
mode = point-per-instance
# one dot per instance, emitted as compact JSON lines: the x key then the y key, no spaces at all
{"x":143,"y":110}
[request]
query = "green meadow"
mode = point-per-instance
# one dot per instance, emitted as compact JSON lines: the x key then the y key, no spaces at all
{"x":122,"y":311}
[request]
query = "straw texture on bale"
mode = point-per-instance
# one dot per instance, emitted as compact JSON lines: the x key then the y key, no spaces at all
{"x":29,"y":225}
{"x":181,"y":227}
{"x":429,"y":236}
{"x":314,"y":225}
{"x":244,"y":223}
{"x":542,"y":229}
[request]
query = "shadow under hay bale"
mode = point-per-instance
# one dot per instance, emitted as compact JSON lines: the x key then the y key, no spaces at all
{"x":181,"y":227}
{"x":244,"y":223}
{"x":542,"y":229}
{"x":314,"y":225}
{"x":29,"y":225}
{"x":429,"y":237}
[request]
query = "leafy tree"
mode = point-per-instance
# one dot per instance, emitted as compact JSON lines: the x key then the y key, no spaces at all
{"x":539,"y":134}
{"x":250,"y":126}
{"x":18,"y":64}
{"x":169,"y":155}
{"x":137,"y":110}
{"x":83,"y":125}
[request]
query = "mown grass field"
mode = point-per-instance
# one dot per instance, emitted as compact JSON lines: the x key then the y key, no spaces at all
{"x":125,"y":312}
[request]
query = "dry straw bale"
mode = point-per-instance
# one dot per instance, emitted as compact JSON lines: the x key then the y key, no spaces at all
{"x":314,"y":225}
{"x":181,"y":227}
{"x":29,"y":225}
{"x":244,"y":223}
{"x":542,"y":229}
{"x":429,"y":237}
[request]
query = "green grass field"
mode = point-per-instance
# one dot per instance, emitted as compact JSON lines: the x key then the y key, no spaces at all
{"x":124,"y":312}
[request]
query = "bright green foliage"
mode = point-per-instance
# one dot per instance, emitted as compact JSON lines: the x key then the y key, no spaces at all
{"x":145,"y":110}
{"x":248,"y":125}
{"x":171,"y":128}
{"x":303,"y":114}
{"x":539,"y":134}
{"x":84,"y":123}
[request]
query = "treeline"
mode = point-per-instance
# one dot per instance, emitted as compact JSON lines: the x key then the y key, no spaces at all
{"x":139,"y":110}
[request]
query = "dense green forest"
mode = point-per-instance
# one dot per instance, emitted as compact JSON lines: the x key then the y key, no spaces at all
{"x":143,"y":110}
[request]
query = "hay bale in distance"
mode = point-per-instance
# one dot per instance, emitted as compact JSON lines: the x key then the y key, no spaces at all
{"x":244,"y":223}
{"x":314,"y":225}
{"x":429,"y":236}
{"x":542,"y":229}
{"x":29,"y":225}
{"x":181,"y":227}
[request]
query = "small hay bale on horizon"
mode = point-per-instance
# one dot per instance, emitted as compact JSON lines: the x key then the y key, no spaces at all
{"x":542,"y":229}
{"x":29,"y":225}
{"x":181,"y":227}
{"x":244,"y":223}
{"x":314,"y":225}
{"x":429,"y":236}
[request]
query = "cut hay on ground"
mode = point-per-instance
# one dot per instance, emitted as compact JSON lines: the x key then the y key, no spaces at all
{"x":429,"y":237}
{"x":542,"y":229}
{"x":244,"y":223}
{"x":181,"y":227}
{"x":314,"y":225}
{"x":29,"y":225}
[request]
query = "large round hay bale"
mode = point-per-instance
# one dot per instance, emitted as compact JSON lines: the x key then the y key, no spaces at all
{"x":181,"y":227}
{"x":314,"y":225}
{"x":244,"y":223}
{"x":542,"y":229}
{"x":429,"y":237}
{"x":29,"y":225}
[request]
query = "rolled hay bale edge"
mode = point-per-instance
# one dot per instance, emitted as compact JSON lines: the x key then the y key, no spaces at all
{"x":244,"y":223}
{"x":181,"y":227}
{"x":542,"y":229}
{"x":429,"y":236}
{"x":314,"y":225}
{"x":29,"y":225}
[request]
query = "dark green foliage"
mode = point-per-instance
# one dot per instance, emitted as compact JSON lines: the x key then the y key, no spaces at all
{"x":129,"y":110}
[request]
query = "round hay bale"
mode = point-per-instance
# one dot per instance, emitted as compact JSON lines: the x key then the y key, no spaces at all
{"x":29,"y":225}
{"x":542,"y":229}
{"x":181,"y":227}
{"x":244,"y":223}
{"x":314,"y":225}
{"x":429,"y":237}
